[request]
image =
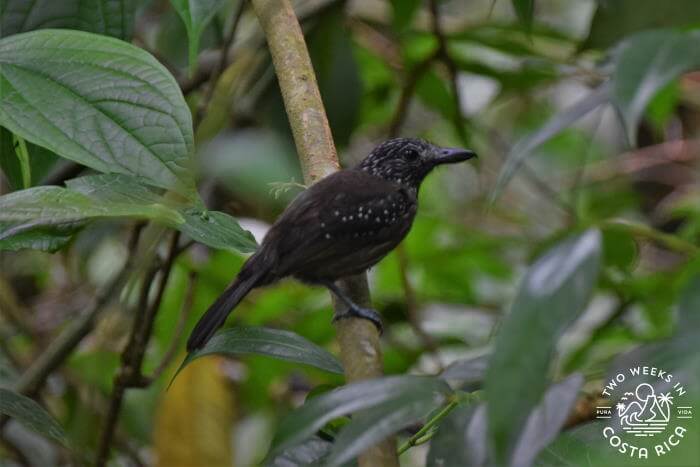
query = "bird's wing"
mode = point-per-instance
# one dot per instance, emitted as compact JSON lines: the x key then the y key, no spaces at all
{"x":343,"y":224}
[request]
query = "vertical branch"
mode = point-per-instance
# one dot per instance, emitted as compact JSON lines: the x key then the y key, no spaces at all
{"x":359,"y":339}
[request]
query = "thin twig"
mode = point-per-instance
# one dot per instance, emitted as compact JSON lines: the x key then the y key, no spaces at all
{"x":406,"y":95}
{"x":130,"y":375}
{"x":179,"y":328}
{"x":413,"y":440}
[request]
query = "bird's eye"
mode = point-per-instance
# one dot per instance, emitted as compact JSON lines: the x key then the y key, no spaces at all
{"x":411,"y":155}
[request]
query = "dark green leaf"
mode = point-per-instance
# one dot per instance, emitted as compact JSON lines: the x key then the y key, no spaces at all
{"x":41,"y":161}
{"x":467,"y":371}
{"x":645,"y":64}
{"x":435,"y":94}
{"x":331,"y":51}
{"x":98,"y":101}
{"x":46,"y":217}
{"x":556,"y":124}
{"x":30,"y":414}
{"x":403,"y":13}
{"x":310,"y":453}
{"x":615,"y":20}
{"x":372,"y":427}
{"x":553,"y":292}
{"x":313,"y":415}
{"x":450,"y":446}
{"x":196,"y":14}
{"x":276,"y":343}
{"x":115,"y":188}
{"x":217,"y":230}
{"x":108,"y":17}
{"x":547,"y":419}
{"x":525,"y":10}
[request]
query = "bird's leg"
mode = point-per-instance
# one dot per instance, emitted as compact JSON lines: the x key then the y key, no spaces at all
{"x":354,"y":310}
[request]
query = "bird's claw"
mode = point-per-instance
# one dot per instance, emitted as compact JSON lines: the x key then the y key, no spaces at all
{"x":364,"y":313}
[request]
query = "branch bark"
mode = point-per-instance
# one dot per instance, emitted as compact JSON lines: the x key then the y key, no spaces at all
{"x":359,"y":339}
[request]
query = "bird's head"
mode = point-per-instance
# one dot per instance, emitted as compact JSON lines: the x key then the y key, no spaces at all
{"x":407,"y":161}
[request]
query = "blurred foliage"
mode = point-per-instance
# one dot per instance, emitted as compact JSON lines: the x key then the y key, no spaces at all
{"x":567,"y":253}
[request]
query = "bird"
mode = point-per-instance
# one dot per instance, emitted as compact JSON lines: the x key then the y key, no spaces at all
{"x":338,"y":227}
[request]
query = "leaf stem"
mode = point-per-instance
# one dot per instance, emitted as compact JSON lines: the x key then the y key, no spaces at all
{"x":423,"y":434}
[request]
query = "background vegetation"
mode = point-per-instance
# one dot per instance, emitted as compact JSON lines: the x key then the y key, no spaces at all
{"x":569,"y":252}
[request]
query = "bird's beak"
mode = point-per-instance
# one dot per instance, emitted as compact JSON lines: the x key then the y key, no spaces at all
{"x":452,"y":155}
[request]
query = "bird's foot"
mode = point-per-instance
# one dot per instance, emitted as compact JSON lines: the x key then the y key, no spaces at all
{"x":365,"y":313}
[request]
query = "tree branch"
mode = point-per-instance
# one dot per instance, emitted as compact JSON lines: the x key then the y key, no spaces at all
{"x":359,"y":339}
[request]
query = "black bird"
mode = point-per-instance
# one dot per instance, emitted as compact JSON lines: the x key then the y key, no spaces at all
{"x":339,"y":227}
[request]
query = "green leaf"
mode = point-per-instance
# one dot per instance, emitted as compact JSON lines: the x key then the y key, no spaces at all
{"x":645,"y":64}
{"x":467,"y":371}
{"x":310,"y":453}
{"x":403,"y":13}
{"x":276,"y":343}
{"x":435,"y":94}
{"x":553,"y":292}
{"x":40,"y":161}
{"x":31,"y":415}
{"x":196,"y":14}
{"x":217,"y":230}
{"x":46,"y":217}
{"x":372,"y":394}
{"x":525,"y":10}
{"x":98,"y":101}
{"x":556,"y":124}
{"x":453,"y":444}
{"x":372,"y":427}
{"x":108,"y":17}
{"x":615,"y":20}
{"x":547,"y":419}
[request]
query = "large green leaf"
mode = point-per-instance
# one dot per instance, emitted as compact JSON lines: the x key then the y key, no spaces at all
{"x":217,"y":230}
{"x":372,"y":394}
{"x":46,"y":217}
{"x":276,"y":343}
{"x":403,"y":13}
{"x":645,"y":64}
{"x":31,"y":415}
{"x":368,"y":429}
{"x":617,"y":19}
{"x":108,"y":17}
{"x":98,"y":101}
{"x":196,"y":14}
{"x":553,"y":292}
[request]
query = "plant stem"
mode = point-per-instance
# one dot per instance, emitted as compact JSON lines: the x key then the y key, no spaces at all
{"x":359,"y":340}
{"x":672,"y":242}
{"x":417,"y":438}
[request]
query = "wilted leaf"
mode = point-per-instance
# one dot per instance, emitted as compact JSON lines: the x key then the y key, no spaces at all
{"x":553,"y":292}
{"x":30,"y":414}
{"x":109,"y":17}
{"x":196,"y":14}
{"x":276,"y":343}
{"x":194,"y":420}
{"x":98,"y":101}
{"x":646,"y":63}
{"x":305,"y":421}
{"x":559,"y":122}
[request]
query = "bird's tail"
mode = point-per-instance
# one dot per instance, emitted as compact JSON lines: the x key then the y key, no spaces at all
{"x":250,"y":277}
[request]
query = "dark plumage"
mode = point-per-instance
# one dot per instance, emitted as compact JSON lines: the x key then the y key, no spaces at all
{"x":338,"y":227}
